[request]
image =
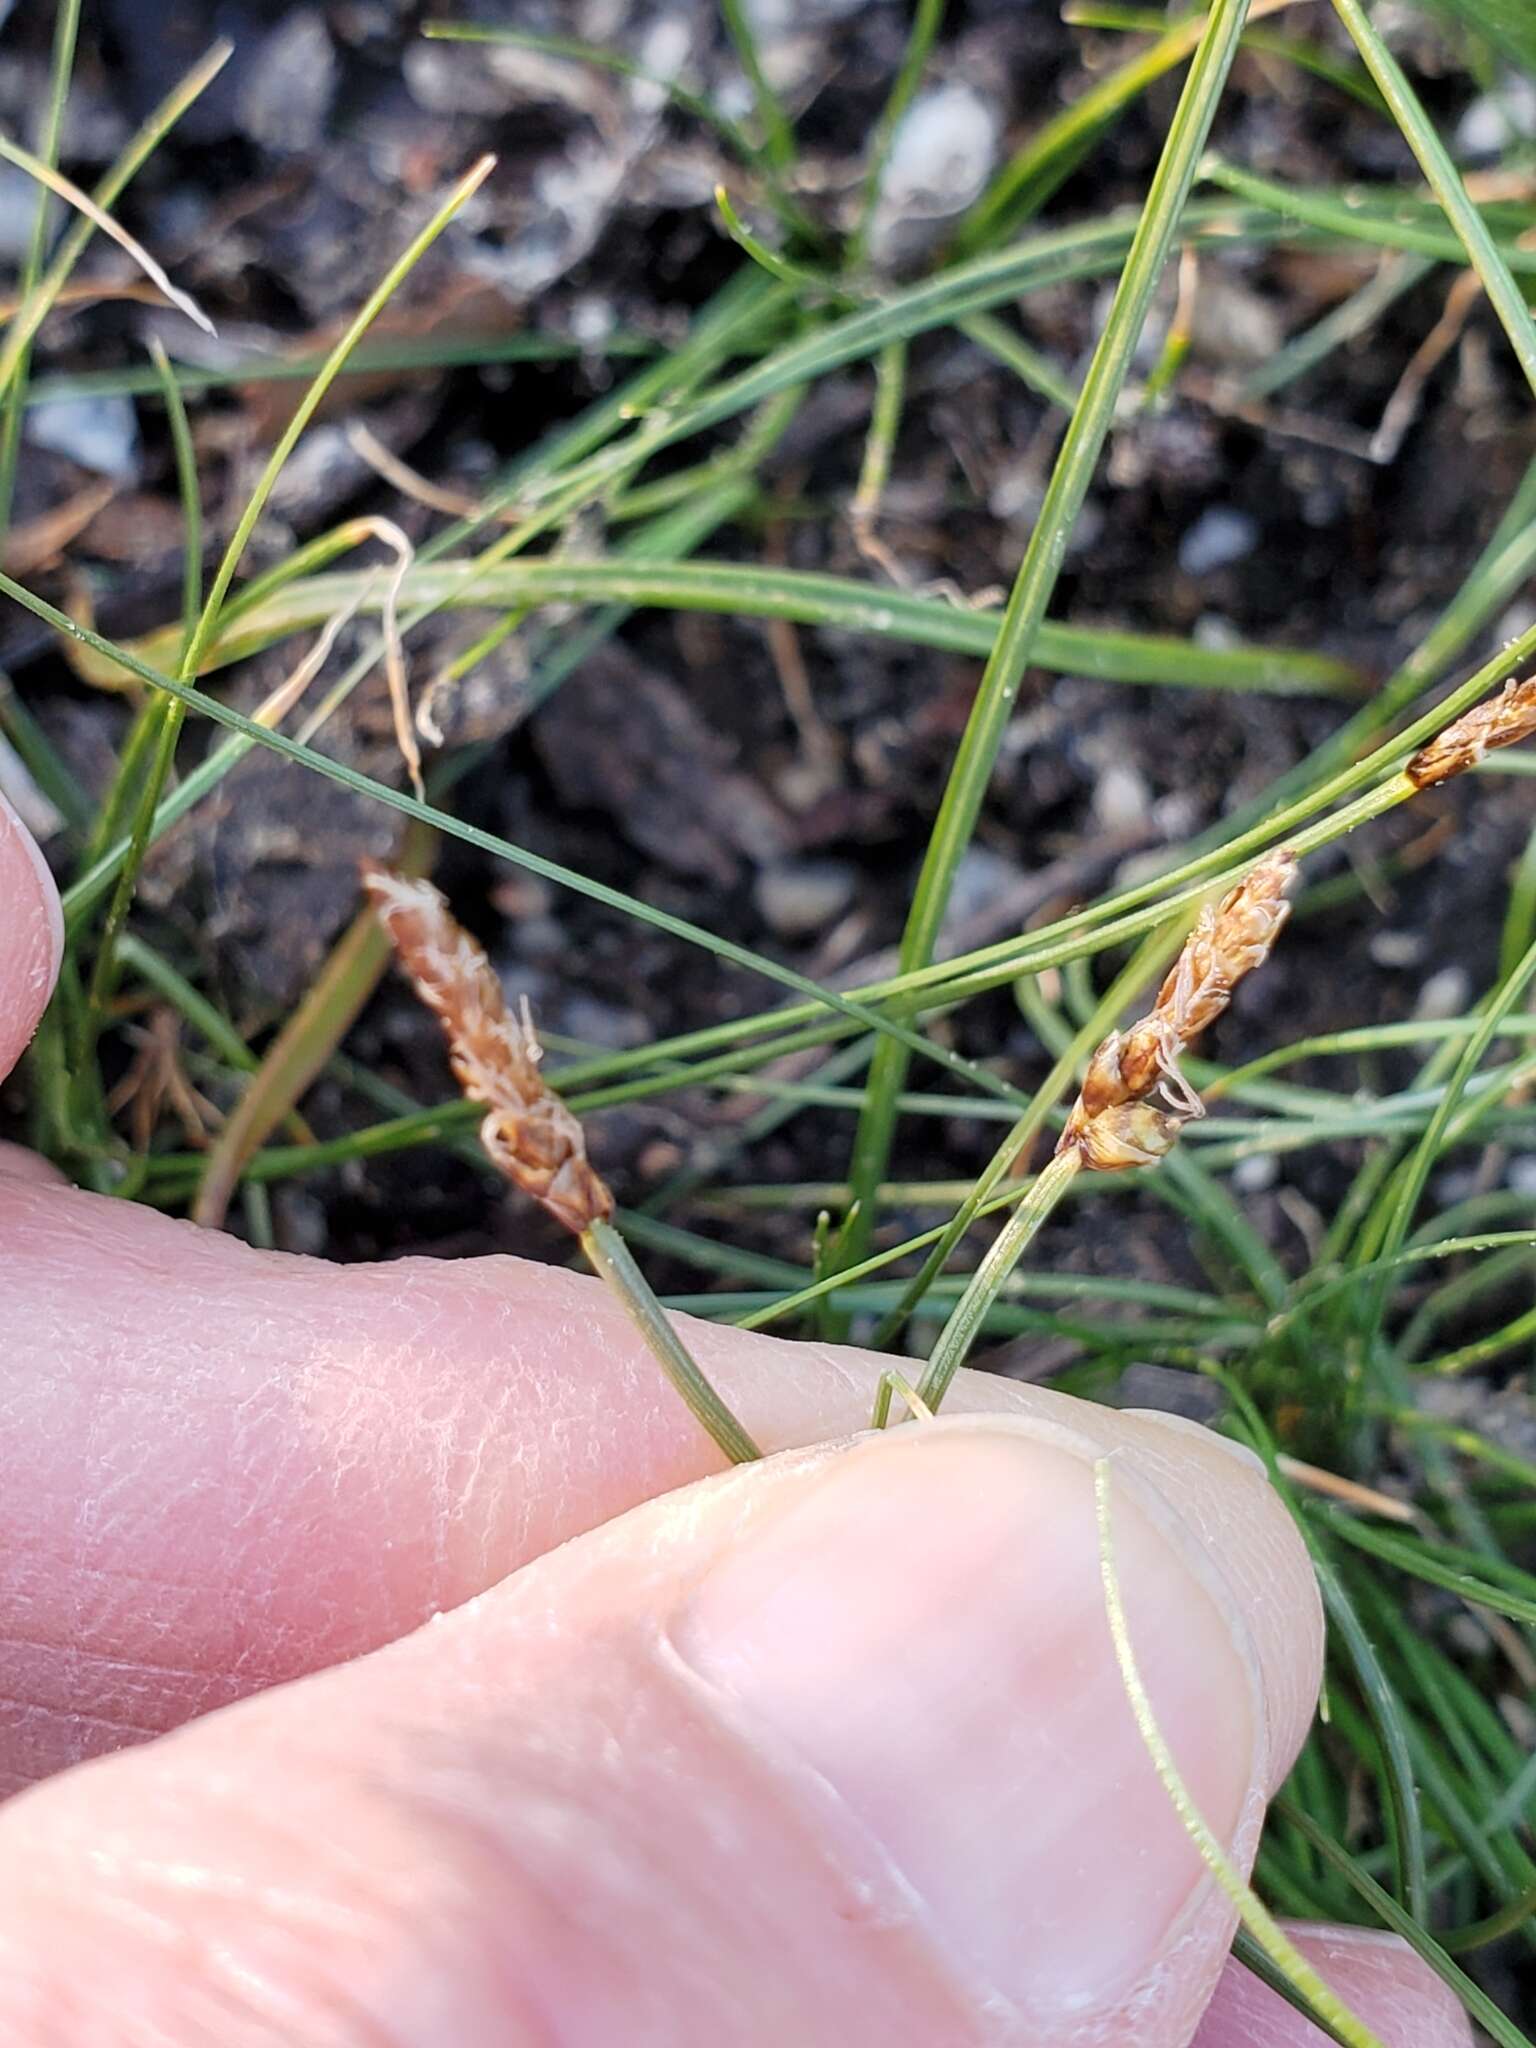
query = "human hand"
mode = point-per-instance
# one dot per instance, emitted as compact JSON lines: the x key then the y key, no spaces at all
{"x":826,"y":1749}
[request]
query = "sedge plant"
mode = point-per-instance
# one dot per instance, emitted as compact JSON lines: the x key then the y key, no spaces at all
{"x":1412,"y":1804}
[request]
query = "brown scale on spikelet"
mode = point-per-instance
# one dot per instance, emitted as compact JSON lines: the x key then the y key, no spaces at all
{"x":528,"y":1132}
{"x":1113,"y":1123}
{"x":1498,"y":722}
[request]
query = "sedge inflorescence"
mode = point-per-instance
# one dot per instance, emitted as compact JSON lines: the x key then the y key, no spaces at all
{"x":1499,"y":722}
{"x":1115,"y":1123}
{"x":527,"y":1131}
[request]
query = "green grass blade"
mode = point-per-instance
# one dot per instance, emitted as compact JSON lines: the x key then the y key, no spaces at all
{"x":1479,"y":1580}
{"x":987,"y":1282}
{"x":1031,"y":368}
{"x":1504,"y":295}
{"x":1410,"y":1927}
{"x":1378,"y":215}
{"x":34,"y":310}
{"x":1023,"y":186}
{"x":288,"y":602}
{"x":305,"y":411}
{"x":927,"y":17}
{"x":65,"y":27}
{"x":188,"y":493}
{"x":778,"y":136}
{"x":1401,"y":1199}
{"x":1386,"y":1714}
{"x":1036,"y":580}
{"x":431,"y":352}
{"x":85,"y":890}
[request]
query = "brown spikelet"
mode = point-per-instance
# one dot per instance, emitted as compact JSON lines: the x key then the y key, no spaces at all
{"x":1498,"y":722}
{"x":528,"y":1132}
{"x":1113,"y":1124}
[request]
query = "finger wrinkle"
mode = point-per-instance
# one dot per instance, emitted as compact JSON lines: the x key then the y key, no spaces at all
{"x":102,"y":1661}
{"x":24,"y":1709}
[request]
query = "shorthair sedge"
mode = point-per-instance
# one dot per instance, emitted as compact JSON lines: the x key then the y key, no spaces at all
{"x":1132,"y":1105}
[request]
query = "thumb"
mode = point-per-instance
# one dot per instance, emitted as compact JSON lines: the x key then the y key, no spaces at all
{"x":31,"y":936}
{"x":830,"y":1748}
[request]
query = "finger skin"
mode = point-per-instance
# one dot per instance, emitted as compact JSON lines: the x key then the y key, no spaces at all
{"x":232,"y":1467}
{"x":17,"y":1163}
{"x":31,"y":936}
{"x":553,"y":1818}
{"x":1378,"y":1977}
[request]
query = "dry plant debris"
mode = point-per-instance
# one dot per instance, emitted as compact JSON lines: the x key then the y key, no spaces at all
{"x":528,"y":1132}
{"x":1114,"y":1123}
{"x":1499,"y":722}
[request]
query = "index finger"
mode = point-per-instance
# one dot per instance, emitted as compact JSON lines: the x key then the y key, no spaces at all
{"x":31,"y":937}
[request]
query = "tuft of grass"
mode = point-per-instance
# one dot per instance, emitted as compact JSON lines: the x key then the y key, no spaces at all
{"x":1413,"y":1802}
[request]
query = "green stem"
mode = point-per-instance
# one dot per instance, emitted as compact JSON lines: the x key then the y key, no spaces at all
{"x":1036,"y":581}
{"x":880,"y":442}
{"x":307,"y":407}
{"x":1504,"y":295}
{"x":1406,"y":1924}
{"x":778,"y":136}
{"x":611,"y":1258}
{"x":65,"y":27}
{"x":986,"y":1283}
{"x":1261,"y":1924}
{"x":926,"y":20}
{"x":31,"y":314}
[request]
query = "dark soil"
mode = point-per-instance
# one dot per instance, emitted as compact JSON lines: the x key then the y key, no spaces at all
{"x":670,"y":764}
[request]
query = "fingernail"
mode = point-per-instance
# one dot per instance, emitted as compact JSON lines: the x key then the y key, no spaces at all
{"x":34,"y":873}
{"x":924,"y":1630}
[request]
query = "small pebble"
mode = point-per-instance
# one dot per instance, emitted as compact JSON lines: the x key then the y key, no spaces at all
{"x":1233,"y":325}
{"x":1398,"y":949}
{"x":1497,"y":119}
{"x":1256,"y":1174}
{"x":1447,"y":1189}
{"x":981,"y":878}
{"x":1214,"y":629}
{"x":1122,"y":800}
{"x":592,"y":319}
{"x":1445,"y":994}
{"x":941,"y":157}
{"x":775,"y":19}
{"x":606,"y":1024}
{"x":519,"y":895}
{"x":799,"y":898}
{"x":286,"y":94}
{"x":18,"y":212}
{"x":1220,"y":536}
{"x":1146,"y":866}
{"x":541,"y":938}
{"x":300,"y":1223}
{"x":99,"y":433}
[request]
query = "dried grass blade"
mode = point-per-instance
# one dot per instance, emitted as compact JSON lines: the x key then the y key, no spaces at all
{"x":66,"y":188}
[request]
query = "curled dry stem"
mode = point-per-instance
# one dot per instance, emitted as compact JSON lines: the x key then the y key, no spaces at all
{"x":45,"y":174}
